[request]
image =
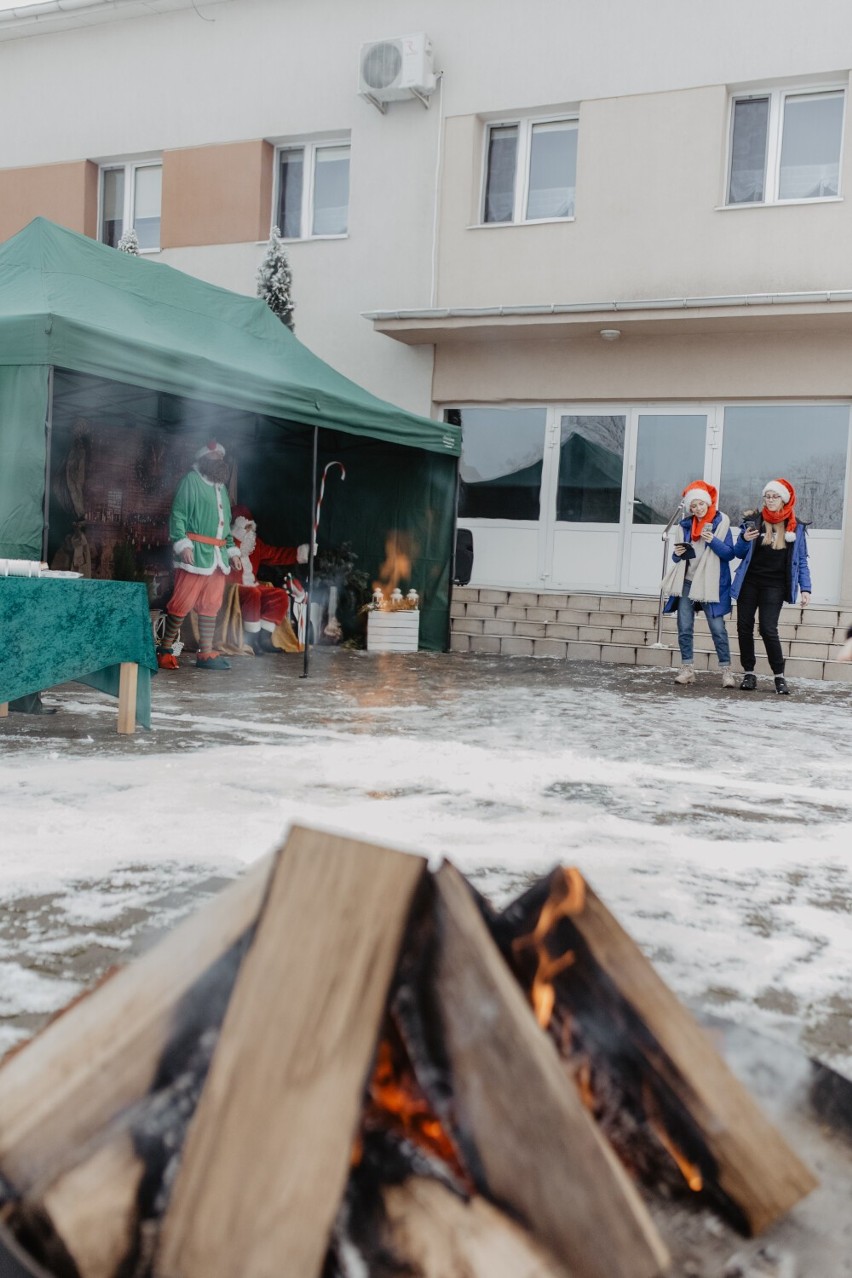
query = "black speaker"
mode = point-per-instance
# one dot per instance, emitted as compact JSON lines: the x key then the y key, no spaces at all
{"x":464,"y":557}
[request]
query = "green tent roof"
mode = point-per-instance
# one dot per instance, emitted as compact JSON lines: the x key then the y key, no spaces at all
{"x":68,"y":301}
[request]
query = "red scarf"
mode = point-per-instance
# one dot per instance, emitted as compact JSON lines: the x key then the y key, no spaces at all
{"x":713,"y":496}
{"x":786,"y":511}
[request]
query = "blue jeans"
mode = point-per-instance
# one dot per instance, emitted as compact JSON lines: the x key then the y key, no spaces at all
{"x":686,"y":625}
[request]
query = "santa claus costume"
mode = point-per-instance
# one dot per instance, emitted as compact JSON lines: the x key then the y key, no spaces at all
{"x":263,"y":606}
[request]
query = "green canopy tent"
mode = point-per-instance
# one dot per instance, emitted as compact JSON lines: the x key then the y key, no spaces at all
{"x":84,"y":328}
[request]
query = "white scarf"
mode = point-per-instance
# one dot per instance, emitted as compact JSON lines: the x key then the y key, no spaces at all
{"x":704,"y":587}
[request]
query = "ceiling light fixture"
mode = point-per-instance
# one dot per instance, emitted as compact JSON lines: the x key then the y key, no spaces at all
{"x":610,"y":334}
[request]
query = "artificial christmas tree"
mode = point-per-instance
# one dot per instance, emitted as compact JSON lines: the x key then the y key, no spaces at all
{"x":275,"y":281}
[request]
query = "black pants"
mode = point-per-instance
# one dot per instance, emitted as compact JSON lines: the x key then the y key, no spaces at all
{"x":766,"y":601}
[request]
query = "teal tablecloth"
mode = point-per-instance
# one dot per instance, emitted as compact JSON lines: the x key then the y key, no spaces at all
{"x":53,"y":629}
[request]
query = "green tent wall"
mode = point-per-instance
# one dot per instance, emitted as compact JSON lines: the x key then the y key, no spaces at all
{"x":68,"y":303}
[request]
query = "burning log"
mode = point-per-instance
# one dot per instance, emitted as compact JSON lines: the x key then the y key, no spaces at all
{"x":333,"y":1066}
{"x":102,"y":1055}
{"x":512,"y":1104}
{"x":268,"y":1155}
{"x":437,"y":1234}
{"x":82,"y":1223}
{"x":635,"y":1051}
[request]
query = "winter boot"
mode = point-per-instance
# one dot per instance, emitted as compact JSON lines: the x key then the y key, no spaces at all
{"x":166,"y":659}
{"x":749,"y":682}
{"x":211,"y":661}
{"x":782,"y":686}
{"x":728,"y":680}
{"x":685,"y":675}
{"x":265,"y":643}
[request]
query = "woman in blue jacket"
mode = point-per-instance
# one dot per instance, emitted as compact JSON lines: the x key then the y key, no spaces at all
{"x":774,"y":551}
{"x":701,"y":579}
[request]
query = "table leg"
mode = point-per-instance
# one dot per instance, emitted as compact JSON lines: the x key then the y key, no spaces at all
{"x":127,"y":680}
{"x":4,"y":709}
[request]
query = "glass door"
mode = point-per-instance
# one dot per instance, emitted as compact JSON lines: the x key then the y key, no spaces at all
{"x":586,"y":495}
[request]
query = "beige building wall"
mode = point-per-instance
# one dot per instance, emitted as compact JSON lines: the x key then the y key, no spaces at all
{"x":217,"y":194}
{"x":745,"y":365}
{"x":650,"y":216}
{"x":65,"y":193}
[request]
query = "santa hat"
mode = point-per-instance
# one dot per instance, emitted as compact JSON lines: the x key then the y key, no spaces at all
{"x":211,"y":450}
{"x":699,"y":491}
{"x":784,"y":489}
{"x":242,"y":512}
{"x":779,"y":488}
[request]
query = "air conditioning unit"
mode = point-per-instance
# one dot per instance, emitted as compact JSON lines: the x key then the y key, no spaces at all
{"x":395,"y":69}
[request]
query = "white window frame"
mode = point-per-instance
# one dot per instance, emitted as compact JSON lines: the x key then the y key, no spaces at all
{"x":130,"y":167}
{"x":524,"y":126}
{"x":310,"y":150}
{"x":775,"y":130}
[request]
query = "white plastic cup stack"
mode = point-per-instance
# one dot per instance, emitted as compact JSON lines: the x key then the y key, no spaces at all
{"x":21,"y":568}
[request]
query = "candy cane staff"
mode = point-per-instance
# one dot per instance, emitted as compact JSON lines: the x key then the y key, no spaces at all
{"x":316,"y":502}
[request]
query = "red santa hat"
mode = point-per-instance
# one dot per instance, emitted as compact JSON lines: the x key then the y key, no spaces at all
{"x":211,"y":450}
{"x":242,"y":512}
{"x":699,"y":491}
{"x":780,"y":488}
{"x":784,"y":489}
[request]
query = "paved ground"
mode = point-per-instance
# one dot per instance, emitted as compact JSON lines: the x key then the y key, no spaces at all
{"x":715,"y":823}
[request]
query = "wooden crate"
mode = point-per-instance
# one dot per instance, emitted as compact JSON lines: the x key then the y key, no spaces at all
{"x":393,"y":631}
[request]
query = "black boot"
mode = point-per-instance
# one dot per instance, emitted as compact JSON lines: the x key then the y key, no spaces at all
{"x":265,"y":642}
{"x":749,"y":682}
{"x":781,"y":686}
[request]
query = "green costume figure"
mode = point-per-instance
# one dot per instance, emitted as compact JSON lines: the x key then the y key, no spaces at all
{"x":200,"y":529}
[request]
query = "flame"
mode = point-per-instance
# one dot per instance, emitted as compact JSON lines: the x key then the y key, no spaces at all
{"x":690,"y":1171}
{"x":583,"y":1079}
{"x":396,"y":1101}
{"x":396,"y":566}
{"x":567,"y":896}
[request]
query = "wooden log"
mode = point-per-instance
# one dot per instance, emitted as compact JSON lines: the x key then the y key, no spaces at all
{"x":634,"y":1023}
{"x":83,"y":1221}
{"x":72,"y":1079}
{"x":537,"y":1148}
{"x":438,"y":1235}
{"x":269,"y":1150}
{"x":128,"y":679}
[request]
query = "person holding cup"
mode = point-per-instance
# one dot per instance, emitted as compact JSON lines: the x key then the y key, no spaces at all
{"x":701,"y":578}
{"x":773,"y":550}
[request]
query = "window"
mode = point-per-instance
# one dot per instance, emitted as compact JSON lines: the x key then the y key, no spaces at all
{"x":501,"y":461}
{"x":591,"y":466}
{"x":785,"y":145}
{"x":131,"y":195}
{"x":530,"y":171}
{"x":807,"y":443}
{"x":313,"y":190}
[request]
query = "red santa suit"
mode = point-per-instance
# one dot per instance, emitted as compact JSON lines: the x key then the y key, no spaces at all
{"x":263,"y":607}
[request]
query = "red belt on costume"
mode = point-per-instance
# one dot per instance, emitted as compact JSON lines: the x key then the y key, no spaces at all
{"x":207,"y":541}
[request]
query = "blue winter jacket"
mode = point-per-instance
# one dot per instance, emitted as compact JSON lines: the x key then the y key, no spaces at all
{"x":798,"y":575}
{"x":726,"y":552}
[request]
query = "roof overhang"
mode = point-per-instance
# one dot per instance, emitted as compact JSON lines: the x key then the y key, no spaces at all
{"x":56,"y":15}
{"x":764,"y":312}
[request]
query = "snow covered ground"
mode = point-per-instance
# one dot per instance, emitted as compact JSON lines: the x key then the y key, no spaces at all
{"x":717,"y":825}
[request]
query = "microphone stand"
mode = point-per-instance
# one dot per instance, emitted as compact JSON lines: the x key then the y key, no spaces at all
{"x":674,"y":519}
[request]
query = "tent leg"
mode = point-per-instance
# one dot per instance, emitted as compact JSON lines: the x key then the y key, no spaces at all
{"x":48,"y":445}
{"x":304,"y":673}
